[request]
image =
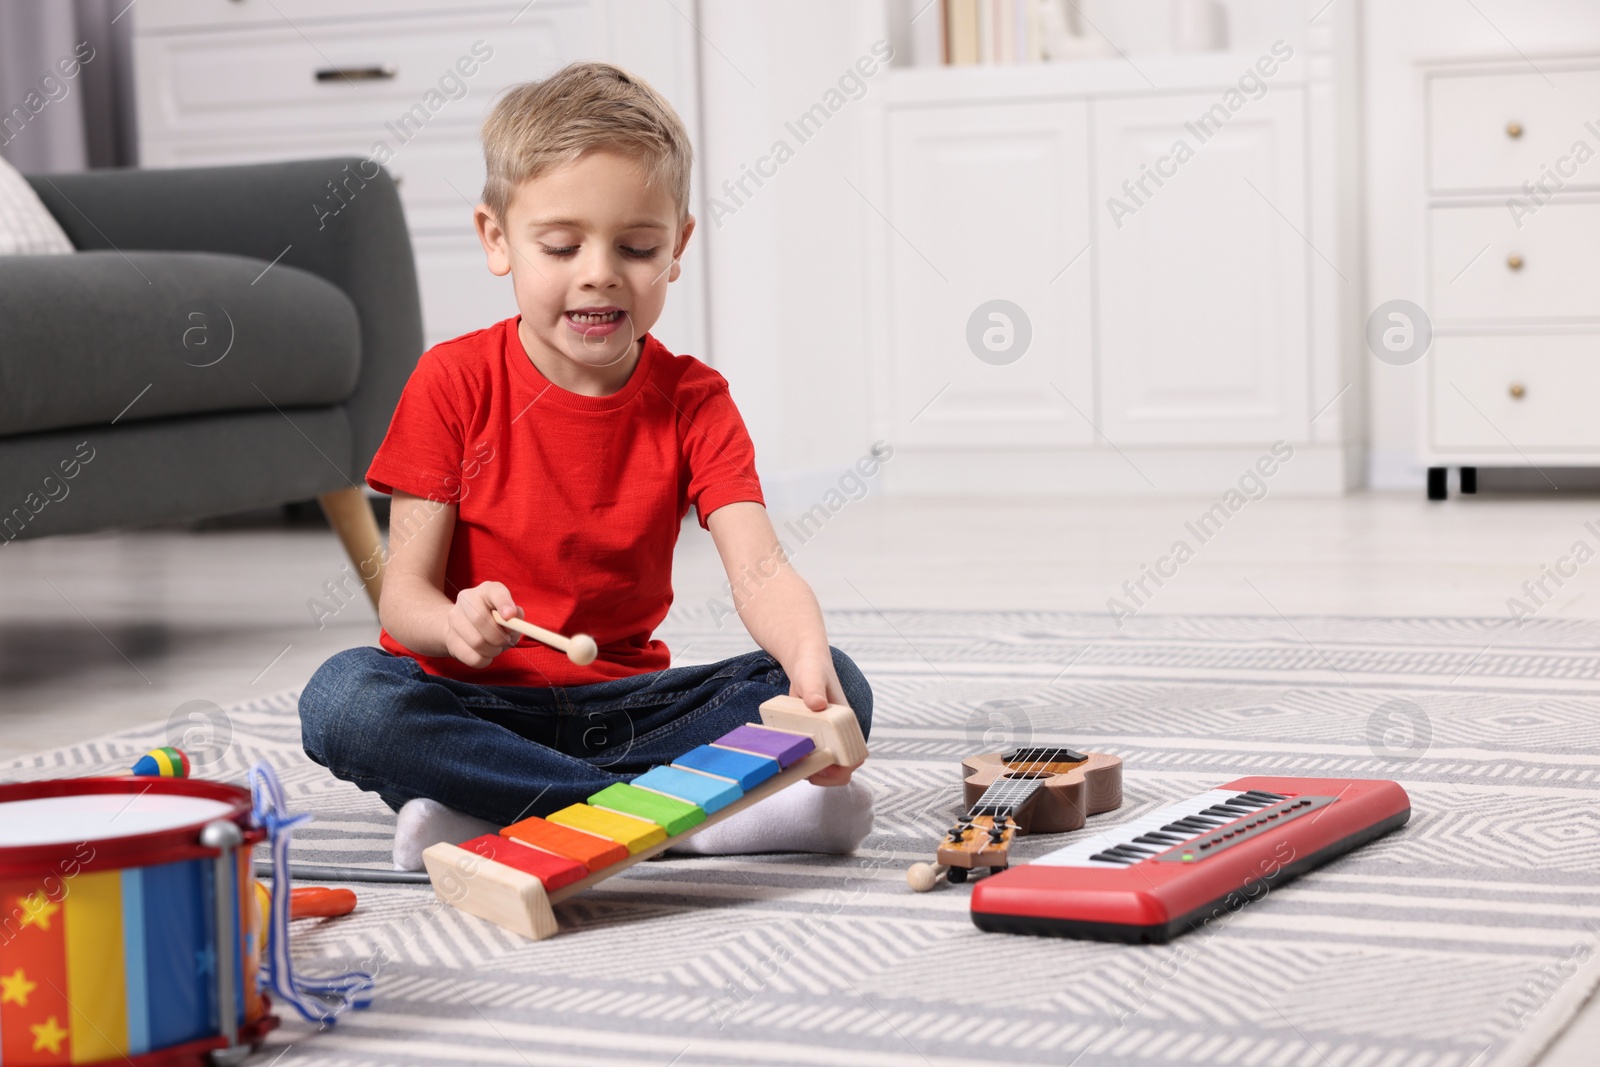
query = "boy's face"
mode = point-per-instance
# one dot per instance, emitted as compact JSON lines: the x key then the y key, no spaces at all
{"x":590,"y":249}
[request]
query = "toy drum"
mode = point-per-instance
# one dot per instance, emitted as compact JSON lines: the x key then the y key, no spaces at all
{"x":129,"y":928}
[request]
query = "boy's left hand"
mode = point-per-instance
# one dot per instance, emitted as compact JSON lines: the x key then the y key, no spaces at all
{"x":816,"y":683}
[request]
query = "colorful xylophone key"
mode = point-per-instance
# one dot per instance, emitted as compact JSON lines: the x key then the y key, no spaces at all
{"x":512,"y":878}
{"x":709,"y":793}
{"x":591,"y":851}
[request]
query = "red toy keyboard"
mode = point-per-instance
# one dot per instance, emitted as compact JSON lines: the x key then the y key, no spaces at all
{"x":1151,"y":879}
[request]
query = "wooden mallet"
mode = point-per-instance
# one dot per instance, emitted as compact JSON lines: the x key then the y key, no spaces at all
{"x":580,"y":648}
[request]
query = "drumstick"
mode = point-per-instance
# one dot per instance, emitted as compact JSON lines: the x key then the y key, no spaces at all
{"x":324,"y":873}
{"x":924,"y":876}
{"x":580,"y":648}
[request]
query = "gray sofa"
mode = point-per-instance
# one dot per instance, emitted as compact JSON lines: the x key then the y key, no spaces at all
{"x":221,"y":341}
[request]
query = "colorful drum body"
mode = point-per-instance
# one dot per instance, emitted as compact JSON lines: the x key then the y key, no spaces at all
{"x":120,"y":932}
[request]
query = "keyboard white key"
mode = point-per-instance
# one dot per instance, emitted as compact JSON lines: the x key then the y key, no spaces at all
{"x":1077,"y":854}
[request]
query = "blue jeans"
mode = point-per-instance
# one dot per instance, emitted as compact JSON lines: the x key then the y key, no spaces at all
{"x":503,"y":753}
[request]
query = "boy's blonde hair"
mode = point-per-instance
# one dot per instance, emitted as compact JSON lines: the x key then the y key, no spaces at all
{"x":537,"y":126}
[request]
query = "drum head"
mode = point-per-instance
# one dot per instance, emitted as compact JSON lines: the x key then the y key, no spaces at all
{"x":96,"y":817}
{"x":104,"y":823}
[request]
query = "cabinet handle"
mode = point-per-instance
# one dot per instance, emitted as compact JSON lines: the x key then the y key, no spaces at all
{"x":1517,"y":391}
{"x":1513,"y":130}
{"x":355,"y":74}
{"x":1514,"y":261}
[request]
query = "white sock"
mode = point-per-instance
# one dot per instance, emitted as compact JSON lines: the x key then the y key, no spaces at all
{"x":423,"y":822}
{"x":802,"y":818}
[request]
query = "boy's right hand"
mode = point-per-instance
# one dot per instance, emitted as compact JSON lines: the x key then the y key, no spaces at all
{"x":470,"y":633}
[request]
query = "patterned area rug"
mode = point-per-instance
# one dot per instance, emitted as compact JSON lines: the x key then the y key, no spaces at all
{"x":1466,"y":938}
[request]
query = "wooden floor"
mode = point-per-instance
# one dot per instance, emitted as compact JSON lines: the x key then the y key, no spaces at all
{"x":102,"y":631}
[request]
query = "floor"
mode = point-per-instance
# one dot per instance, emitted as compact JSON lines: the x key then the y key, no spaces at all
{"x":101,"y":631}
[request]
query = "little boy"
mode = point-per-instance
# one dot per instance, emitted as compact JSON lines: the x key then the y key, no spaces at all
{"x":541,"y":468}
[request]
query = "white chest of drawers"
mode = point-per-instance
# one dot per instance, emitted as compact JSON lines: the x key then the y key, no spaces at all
{"x":1512,"y":231}
{"x":407,"y":83}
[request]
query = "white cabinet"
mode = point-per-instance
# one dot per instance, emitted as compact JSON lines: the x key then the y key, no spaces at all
{"x":990,"y":205}
{"x":1512,"y":266}
{"x":1188,"y":309}
{"x":1203,"y":333}
{"x":401,"y":81}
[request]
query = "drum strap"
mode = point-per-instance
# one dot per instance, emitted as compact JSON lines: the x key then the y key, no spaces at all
{"x":318,"y":1000}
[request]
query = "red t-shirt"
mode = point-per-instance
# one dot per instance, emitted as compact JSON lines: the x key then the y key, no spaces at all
{"x":573,"y":502}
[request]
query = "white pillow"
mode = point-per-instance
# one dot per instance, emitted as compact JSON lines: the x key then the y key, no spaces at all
{"x":26,"y":227}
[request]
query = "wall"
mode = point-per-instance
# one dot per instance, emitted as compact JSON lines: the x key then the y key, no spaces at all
{"x":786,"y":282}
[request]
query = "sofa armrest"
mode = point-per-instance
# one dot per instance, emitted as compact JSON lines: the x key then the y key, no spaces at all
{"x":332,"y":217}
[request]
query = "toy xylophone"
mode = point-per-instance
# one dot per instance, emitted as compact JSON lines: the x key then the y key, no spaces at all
{"x":514,"y":877}
{"x":1157,"y":876}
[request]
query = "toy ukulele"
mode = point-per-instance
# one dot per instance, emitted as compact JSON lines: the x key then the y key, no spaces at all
{"x":1027,"y":790}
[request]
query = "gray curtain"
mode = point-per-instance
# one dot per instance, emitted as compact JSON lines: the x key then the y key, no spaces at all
{"x":66,"y":85}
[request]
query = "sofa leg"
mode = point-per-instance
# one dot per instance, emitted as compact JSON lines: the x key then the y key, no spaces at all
{"x":350,"y":514}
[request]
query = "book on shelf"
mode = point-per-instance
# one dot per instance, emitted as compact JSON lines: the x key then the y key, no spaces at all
{"x":959,"y":33}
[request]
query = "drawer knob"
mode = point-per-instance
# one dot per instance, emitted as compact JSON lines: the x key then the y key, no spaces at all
{"x":1514,"y":261}
{"x":1517,"y":391}
{"x":1513,"y":130}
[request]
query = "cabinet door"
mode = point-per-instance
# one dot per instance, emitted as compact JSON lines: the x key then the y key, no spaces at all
{"x":989,"y":204}
{"x":1203,"y":277}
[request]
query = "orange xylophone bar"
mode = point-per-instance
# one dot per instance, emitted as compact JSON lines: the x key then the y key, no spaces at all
{"x":513,"y":878}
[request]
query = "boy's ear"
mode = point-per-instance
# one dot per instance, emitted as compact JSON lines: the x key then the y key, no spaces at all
{"x":496,"y":246}
{"x":683,"y":242}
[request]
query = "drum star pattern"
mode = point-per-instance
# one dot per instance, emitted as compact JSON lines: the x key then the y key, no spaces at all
{"x":109,"y":964}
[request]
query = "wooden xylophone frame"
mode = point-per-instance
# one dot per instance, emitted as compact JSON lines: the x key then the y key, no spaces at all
{"x":519,"y":902}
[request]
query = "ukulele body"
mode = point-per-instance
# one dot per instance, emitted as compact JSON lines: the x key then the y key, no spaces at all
{"x":1071,"y":793}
